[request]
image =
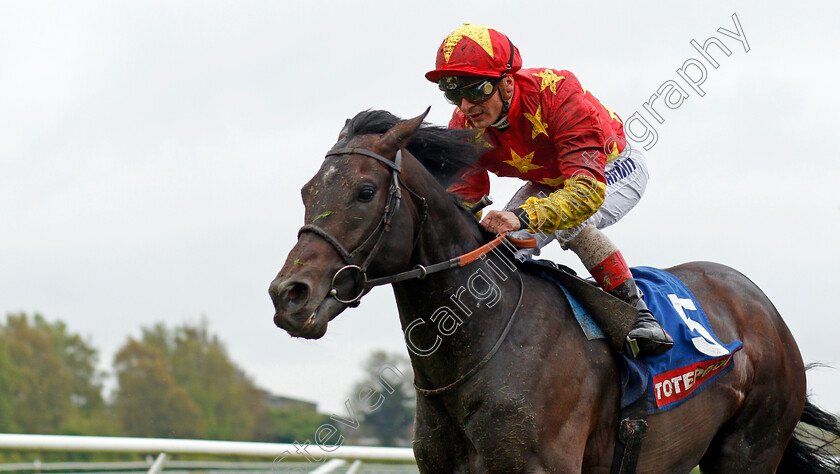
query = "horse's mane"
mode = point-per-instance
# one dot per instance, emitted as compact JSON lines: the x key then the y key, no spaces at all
{"x":445,"y":153}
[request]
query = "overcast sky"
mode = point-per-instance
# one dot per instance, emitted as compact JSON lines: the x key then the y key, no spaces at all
{"x":151,"y":156}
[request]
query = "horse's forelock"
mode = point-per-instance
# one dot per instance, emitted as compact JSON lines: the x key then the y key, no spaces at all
{"x":445,"y":153}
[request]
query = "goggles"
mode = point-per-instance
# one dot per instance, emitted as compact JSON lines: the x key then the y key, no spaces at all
{"x":476,"y":92}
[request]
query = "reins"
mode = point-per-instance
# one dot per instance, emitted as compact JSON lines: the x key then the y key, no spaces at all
{"x":421,"y":271}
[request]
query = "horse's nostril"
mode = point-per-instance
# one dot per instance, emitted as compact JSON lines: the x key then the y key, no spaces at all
{"x":297,"y":294}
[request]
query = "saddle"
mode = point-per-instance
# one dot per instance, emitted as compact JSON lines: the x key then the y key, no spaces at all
{"x":613,"y":316}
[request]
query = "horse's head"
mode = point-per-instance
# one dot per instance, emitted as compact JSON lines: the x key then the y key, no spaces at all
{"x":358,"y":220}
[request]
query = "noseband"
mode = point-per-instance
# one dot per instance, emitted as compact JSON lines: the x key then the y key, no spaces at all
{"x":391,"y":208}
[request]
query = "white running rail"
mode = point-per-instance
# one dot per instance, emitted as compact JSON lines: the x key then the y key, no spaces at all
{"x":323,"y":460}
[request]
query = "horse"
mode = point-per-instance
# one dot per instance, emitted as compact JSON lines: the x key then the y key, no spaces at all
{"x":506,"y":381}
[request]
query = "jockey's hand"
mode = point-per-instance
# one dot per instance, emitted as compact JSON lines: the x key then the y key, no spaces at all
{"x":499,"y":222}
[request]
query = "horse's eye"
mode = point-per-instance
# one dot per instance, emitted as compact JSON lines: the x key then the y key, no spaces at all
{"x":366,"y":193}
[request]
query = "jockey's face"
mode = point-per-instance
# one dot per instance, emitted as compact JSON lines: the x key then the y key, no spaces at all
{"x":487,"y":112}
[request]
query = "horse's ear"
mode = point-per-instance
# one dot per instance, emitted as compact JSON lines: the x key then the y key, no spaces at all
{"x":400,"y":134}
{"x":344,"y":131}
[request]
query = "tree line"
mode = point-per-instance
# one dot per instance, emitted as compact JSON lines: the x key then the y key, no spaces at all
{"x":171,"y":382}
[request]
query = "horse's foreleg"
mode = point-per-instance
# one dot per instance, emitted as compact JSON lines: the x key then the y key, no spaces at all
{"x":438,"y":445}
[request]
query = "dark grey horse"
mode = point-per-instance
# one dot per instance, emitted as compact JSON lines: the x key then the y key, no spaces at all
{"x":507,"y":381}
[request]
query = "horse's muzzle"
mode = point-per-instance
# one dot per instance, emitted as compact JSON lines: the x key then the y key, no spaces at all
{"x":301,"y":313}
{"x":291,"y":312}
{"x":300,"y":325}
{"x":289,"y":296}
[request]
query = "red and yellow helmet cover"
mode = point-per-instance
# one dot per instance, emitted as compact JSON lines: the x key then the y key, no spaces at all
{"x":475,"y":50}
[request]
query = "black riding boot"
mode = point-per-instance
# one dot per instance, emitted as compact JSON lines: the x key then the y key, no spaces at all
{"x":647,"y":337}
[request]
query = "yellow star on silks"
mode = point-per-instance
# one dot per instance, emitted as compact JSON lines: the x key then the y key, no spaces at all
{"x":613,"y":152}
{"x":612,"y":114}
{"x":478,"y":33}
{"x":549,"y":79}
{"x":554,"y":183}
{"x":522,"y":163}
{"x":537,"y":122}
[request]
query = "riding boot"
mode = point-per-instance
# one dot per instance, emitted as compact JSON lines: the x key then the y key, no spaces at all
{"x":641,"y":336}
{"x":647,"y":337}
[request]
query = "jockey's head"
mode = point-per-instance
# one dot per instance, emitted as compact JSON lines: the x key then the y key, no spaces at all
{"x":473,"y":63}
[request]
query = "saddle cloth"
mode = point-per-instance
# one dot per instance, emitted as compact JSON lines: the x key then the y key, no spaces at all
{"x":697,"y":359}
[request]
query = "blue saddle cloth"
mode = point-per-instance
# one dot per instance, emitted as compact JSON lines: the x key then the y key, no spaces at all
{"x":697,"y":359}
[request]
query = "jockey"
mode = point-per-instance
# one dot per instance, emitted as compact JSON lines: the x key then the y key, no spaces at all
{"x":550,"y":131}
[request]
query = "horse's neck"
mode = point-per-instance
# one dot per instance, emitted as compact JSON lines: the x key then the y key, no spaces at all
{"x":446,"y":231}
{"x":452,"y":319}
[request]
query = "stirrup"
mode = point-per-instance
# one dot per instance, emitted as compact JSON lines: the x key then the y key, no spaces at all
{"x":656,"y":348}
{"x":633,"y":347}
{"x":652,"y":343}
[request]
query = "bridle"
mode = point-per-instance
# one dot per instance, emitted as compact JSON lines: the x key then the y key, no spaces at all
{"x":391,"y":208}
{"x":419,"y":271}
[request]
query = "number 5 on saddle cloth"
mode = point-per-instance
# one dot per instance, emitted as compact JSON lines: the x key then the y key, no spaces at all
{"x":668,"y":379}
